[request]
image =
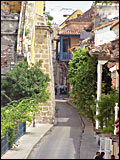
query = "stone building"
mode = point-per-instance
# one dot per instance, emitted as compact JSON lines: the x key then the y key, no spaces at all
{"x":37,"y":45}
{"x":74,"y":30}
{"x":9,"y":28}
{"x":26,"y":35}
{"x":106,"y":49}
{"x":10,"y":6}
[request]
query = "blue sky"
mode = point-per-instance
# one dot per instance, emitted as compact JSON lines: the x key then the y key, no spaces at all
{"x":82,"y":5}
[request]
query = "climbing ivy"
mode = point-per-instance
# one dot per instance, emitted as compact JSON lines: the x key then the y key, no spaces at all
{"x":82,"y":74}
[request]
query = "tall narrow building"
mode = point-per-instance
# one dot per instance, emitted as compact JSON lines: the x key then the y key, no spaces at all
{"x":37,"y":46}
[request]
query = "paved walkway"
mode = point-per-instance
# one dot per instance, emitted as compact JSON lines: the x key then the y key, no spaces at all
{"x":27,"y":142}
{"x":33,"y":135}
{"x":88,"y":145}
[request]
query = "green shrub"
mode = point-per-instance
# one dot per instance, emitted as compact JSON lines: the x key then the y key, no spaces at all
{"x":106,"y":111}
{"x":24,"y":87}
{"x":82,"y":74}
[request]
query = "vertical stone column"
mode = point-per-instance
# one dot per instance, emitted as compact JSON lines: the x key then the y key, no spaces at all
{"x":99,"y":82}
{"x":116,"y":109}
{"x":99,"y":79}
{"x":30,"y":21}
{"x":38,"y":46}
{"x":43,"y":51}
{"x":117,"y":76}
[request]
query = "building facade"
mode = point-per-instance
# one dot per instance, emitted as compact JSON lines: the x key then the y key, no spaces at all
{"x":37,"y":46}
{"x":33,"y":43}
{"x":73,"y":31}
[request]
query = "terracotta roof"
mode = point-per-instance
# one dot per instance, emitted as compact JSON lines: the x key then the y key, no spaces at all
{"x":105,"y":25}
{"x":111,"y":64}
{"x":70,"y":32}
{"x":109,"y":51}
{"x":85,"y":17}
{"x":75,"y":28}
{"x":117,"y":22}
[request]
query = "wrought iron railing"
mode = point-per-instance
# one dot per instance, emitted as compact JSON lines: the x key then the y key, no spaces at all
{"x":66,"y":56}
{"x":18,"y":132}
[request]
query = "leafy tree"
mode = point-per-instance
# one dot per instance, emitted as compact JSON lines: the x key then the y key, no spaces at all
{"x":22,"y":82}
{"x":25,"y":88}
{"x":50,"y":18}
{"x":106,"y":111}
{"x":82,"y":77}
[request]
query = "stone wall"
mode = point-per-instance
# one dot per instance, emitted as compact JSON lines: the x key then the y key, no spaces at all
{"x":43,"y":51}
{"x":9,"y":26}
{"x":106,"y":14}
{"x":38,"y":46}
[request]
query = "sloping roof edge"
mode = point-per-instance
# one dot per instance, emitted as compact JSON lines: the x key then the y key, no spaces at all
{"x":105,"y":25}
{"x":114,"y":25}
{"x":70,"y":16}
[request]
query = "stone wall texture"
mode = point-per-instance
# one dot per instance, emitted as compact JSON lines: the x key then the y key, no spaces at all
{"x":105,"y":14}
{"x":43,"y":52}
{"x":39,"y":47}
{"x":9,"y":26}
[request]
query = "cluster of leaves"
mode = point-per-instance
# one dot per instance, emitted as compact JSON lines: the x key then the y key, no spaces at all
{"x":16,"y":112}
{"x":82,"y":74}
{"x":25,"y":81}
{"x":24,"y":87}
{"x":106,"y":79}
{"x":105,"y":2}
{"x":50,"y":18}
{"x":106,"y":111}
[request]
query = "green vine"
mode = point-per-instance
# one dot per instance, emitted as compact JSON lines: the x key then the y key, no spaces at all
{"x":106,"y":111}
{"x":24,"y":87}
{"x":82,"y":77}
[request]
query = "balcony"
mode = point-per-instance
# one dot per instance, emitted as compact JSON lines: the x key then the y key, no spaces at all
{"x":65,"y":56}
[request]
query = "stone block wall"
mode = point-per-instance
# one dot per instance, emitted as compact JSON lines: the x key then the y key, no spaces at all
{"x":39,"y":47}
{"x":105,"y":14}
{"x":9,"y":26}
{"x":43,"y":52}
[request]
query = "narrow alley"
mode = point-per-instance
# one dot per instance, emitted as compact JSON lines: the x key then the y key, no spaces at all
{"x":64,"y":140}
{"x":60,"y":80}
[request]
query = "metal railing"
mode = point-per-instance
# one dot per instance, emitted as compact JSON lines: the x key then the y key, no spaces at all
{"x":18,"y":132}
{"x":66,"y":56}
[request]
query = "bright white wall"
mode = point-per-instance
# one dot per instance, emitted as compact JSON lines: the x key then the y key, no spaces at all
{"x":104,"y":35}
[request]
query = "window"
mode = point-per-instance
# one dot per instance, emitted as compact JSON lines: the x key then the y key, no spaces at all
{"x":65,"y":45}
